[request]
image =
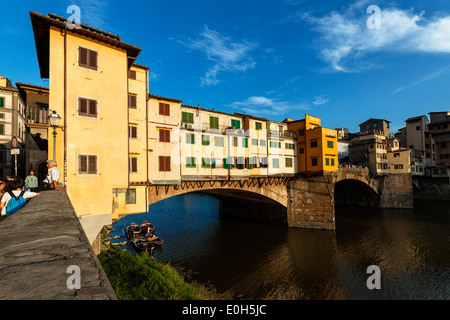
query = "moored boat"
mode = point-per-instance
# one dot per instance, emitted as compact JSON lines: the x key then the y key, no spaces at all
{"x":146,"y":227}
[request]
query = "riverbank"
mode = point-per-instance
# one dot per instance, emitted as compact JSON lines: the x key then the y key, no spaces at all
{"x":142,"y":277}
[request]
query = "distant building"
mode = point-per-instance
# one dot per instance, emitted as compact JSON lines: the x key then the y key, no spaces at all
{"x":439,"y":144}
{"x":12,"y":124}
{"x":317,"y":146}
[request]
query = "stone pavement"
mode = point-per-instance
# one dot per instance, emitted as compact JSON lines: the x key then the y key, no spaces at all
{"x":38,"y":246}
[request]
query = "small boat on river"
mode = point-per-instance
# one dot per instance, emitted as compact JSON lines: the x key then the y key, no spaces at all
{"x":146,"y":227}
{"x":154,"y":240}
{"x":132,"y":231}
{"x":140,"y":244}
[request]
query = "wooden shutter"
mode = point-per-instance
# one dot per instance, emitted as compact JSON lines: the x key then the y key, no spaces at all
{"x":167,"y":109}
{"x":133,"y":164}
{"x":132,"y":101}
{"x":82,"y":164}
{"x":92,"y":166}
{"x":161,"y":108}
{"x":167,"y":135}
{"x":132,"y":74}
{"x":161,"y":163}
{"x":93,"y":108}
{"x":161,"y":135}
{"x":167,"y":163}
{"x":82,"y":57}
{"x":93,"y":59}
{"x":82,"y":106}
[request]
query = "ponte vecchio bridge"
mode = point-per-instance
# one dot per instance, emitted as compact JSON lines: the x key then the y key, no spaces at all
{"x":301,"y":200}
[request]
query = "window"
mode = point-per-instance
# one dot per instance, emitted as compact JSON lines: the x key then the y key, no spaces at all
{"x":330,"y":144}
{"x":235,"y":141}
{"x":213,"y":122}
{"x":190,"y":138}
{"x":332,"y":161}
{"x":254,"y":142}
{"x":206,"y":163}
{"x":87,"y":58}
{"x":187,"y":117}
{"x":236,"y":123}
{"x":133,"y":164}
{"x":301,"y":150}
{"x":289,"y":146}
{"x":314,"y":162}
{"x":314,"y":144}
{"x":288,"y":162}
{"x":205,"y":140}
{"x":2,"y":102}
{"x":87,"y":107}
{"x":398,"y":166}
{"x":301,"y":132}
{"x":262,"y":143}
{"x":327,"y":161}
{"x":258,"y":125}
{"x":240,"y":162}
{"x":87,"y":164}
{"x":275,"y":144}
{"x":228,"y":163}
{"x":164,"y":163}
{"x":130,"y":196}
{"x":396,"y":155}
{"x":218,"y":141}
{"x":2,"y":129}
{"x":132,"y":101}
{"x":164,"y":135}
{"x":132,"y":133}
{"x":190,"y":162}
{"x":264,"y":161}
{"x":132,"y":74}
{"x":276,"y":163}
{"x":245,"y":142}
{"x":164,"y":109}
{"x":417,"y":128}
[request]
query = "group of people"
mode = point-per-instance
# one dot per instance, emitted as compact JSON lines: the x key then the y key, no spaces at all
{"x":14,"y":187}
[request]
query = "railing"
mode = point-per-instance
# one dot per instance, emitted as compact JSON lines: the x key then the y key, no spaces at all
{"x":281,"y":134}
{"x":206,"y":127}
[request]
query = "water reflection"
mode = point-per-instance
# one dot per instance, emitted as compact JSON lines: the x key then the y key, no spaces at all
{"x":258,"y":261}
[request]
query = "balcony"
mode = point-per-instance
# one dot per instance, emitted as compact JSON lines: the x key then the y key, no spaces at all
{"x":218,"y":129}
{"x":275,"y":134}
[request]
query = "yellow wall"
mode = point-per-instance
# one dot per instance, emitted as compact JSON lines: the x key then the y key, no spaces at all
{"x":105,"y":136}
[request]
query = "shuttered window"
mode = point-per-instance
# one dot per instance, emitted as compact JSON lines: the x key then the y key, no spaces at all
{"x":133,"y":165}
{"x":164,"y":109}
{"x":87,"y":58}
{"x":132,"y":101}
{"x":164,"y":135}
{"x":87,"y":107}
{"x":132,"y":132}
{"x":132,"y":74}
{"x":87,"y":164}
{"x":164,"y":163}
{"x":213,"y":122}
{"x":187,"y":117}
{"x":2,"y":102}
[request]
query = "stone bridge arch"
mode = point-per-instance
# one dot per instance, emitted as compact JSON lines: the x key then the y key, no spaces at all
{"x":273,"y":188}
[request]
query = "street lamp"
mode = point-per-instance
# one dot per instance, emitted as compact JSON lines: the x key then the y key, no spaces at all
{"x":54,"y":119}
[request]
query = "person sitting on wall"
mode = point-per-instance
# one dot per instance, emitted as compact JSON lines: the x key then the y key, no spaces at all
{"x":31,"y":182}
{"x":16,"y":190}
{"x":51,"y":181}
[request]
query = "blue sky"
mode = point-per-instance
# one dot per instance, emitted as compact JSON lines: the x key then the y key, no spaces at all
{"x":276,"y":59}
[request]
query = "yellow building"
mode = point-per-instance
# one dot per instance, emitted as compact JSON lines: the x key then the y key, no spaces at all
{"x":164,"y":119}
{"x":316,"y":145}
{"x":88,"y":78}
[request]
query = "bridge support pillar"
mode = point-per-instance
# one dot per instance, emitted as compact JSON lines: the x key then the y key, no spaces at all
{"x":311,"y":203}
{"x":396,"y":191}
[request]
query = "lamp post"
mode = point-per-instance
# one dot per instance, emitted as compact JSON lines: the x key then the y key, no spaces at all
{"x":54,"y":119}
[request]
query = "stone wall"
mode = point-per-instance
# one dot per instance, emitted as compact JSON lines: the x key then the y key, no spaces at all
{"x":311,"y":203}
{"x":426,"y":188}
{"x":395,"y":191}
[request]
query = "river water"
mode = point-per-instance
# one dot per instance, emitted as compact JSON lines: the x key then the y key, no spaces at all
{"x":251,"y":260}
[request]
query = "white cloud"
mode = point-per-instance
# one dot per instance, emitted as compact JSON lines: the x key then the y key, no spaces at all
{"x":92,"y":13}
{"x":225,"y":54}
{"x":320,"y":100}
{"x":429,"y":77}
{"x":263,"y":106}
{"x":345,"y":38}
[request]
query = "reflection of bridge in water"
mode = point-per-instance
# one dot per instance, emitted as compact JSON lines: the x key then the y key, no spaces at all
{"x":302,"y":200}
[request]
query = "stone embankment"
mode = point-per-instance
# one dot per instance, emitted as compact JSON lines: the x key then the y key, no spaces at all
{"x":45,"y":254}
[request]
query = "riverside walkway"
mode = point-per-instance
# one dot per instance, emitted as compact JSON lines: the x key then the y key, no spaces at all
{"x":45,"y":254}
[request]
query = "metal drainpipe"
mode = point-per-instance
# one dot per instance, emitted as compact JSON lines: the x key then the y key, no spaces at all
{"x":65,"y":106}
{"x":146,"y":139}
